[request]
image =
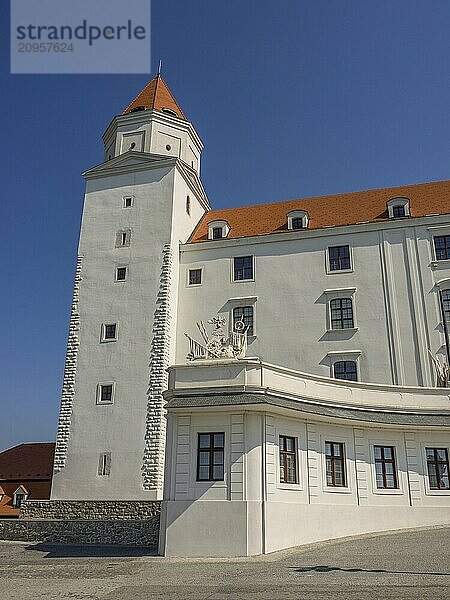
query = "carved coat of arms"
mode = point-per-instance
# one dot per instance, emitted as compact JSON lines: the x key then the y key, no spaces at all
{"x":218,"y":343}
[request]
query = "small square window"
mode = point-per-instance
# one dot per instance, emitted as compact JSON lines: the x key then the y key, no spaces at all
{"x":442,"y":247}
{"x":128,"y":201}
{"x":123,"y":238}
{"x":297,"y":223}
{"x":339,"y":258}
{"x":109,"y":332}
{"x":345,"y":369}
{"x":121,"y":273}
{"x":105,"y":393}
{"x":243,"y":268}
{"x":195,"y":276}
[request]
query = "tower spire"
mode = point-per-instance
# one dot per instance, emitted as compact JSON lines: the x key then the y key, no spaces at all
{"x":159,"y":68}
{"x":156,"y":95}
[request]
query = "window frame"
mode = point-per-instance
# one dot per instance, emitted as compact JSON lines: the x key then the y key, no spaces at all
{"x":284,"y":454}
{"x":104,"y":464}
{"x":188,"y":282}
{"x":103,"y":338}
{"x":122,"y":242}
{"x":126,"y":199}
{"x":436,"y":490}
{"x":117,"y":271}
{"x":335,"y":458}
{"x":383,"y":461}
{"x":446,"y":237}
{"x":341,"y":309}
{"x":233,"y":269}
{"x":102,"y":384}
{"x":345,"y":360}
{"x":331,"y":271}
{"x":243,"y":307}
{"x":210,"y":449}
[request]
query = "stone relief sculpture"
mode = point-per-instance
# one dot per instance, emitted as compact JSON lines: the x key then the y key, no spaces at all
{"x":218,"y":344}
{"x":442,"y":370}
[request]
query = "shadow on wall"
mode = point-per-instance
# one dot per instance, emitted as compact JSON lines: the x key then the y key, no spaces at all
{"x":63,"y":551}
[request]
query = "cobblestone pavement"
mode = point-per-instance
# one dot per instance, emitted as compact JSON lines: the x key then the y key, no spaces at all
{"x":403,"y":565}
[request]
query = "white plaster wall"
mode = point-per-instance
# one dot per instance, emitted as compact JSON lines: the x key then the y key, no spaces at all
{"x":395,"y":301}
{"x":281,"y":515}
{"x":157,"y":218}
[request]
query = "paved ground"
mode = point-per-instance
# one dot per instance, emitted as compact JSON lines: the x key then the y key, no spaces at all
{"x":407,"y":565}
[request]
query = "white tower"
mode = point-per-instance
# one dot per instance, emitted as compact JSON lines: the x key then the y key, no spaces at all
{"x":139,"y":205}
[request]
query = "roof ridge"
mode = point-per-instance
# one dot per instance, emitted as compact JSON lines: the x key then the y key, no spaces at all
{"x":329,"y":195}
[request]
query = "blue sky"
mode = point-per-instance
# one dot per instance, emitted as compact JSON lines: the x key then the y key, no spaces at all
{"x":292,"y":99}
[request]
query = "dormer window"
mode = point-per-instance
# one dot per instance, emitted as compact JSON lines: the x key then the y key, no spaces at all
{"x":398,"y":207}
{"x":19,"y":496}
{"x":298,"y":219}
{"x":218,"y":230}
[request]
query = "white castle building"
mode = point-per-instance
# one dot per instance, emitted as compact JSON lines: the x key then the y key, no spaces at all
{"x":310,"y":396}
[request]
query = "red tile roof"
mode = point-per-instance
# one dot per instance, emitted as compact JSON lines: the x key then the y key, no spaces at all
{"x":27,"y":461}
{"x":326,"y":211}
{"x":157,"y":95}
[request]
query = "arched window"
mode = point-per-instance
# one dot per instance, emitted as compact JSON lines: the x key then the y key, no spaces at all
{"x":345,"y":369}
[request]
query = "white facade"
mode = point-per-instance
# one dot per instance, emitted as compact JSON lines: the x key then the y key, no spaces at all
{"x":143,"y":280}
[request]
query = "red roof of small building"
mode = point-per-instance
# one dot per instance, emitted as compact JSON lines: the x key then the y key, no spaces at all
{"x":156,"y":95}
{"x":328,"y":211}
{"x":27,"y":461}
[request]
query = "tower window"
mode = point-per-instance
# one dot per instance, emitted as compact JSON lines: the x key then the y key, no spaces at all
{"x":109,"y":332}
{"x":341,"y":313}
{"x":105,"y":393}
{"x":345,"y":369}
{"x":128,"y":201}
{"x":121,"y":273}
{"x":104,"y":464}
{"x":188,"y":205}
{"x":123,"y":238}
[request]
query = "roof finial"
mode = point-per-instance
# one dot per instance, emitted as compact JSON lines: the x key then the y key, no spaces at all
{"x":159,"y":68}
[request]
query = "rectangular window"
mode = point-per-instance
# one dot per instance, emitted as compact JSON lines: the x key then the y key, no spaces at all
{"x":105,"y":393}
{"x":288,"y":459}
{"x":127,"y":201}
{"x":345,"y":369}
{"x":123,"y":238}
{"x":245,"y":314}
{"x":109,"y":332}
{"x":195,"y":276}
{"x":445,"y":302}
{"x":121,"y":273}
{"x":217,"y":233}
{"x":335,"y":465}
{"x":339,"y":258}
{"x":437,"y":465}
{"x":243,"y":268}
{"x":398,"y":211}
{"x":385,"y":468}
{"x":297,"y":223}
{"x":104,"y":464}
{"x":442,"y":247}
{"x":341,"y":313}
{"x":210,"y":456}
